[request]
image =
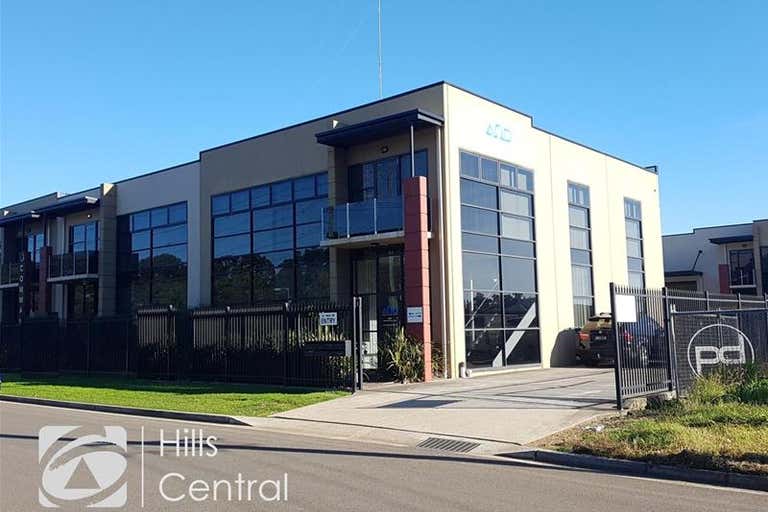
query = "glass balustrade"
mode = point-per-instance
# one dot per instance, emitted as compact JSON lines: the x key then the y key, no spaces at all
{"x":369,"y":217}
{"x":73,"y":264}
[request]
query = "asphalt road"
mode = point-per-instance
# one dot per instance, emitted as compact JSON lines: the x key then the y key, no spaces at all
{"x":321,"y":474}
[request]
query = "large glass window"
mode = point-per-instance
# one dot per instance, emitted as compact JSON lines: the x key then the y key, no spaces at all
{"x":268,"y":247}
{"x":633,"y":223}
{"x":581,"y":253}
{"x":383,"y":178}
{"x":152,"y":258}
{"x":83,"y":237}
{"x":498,"y":244}
{"x":742,"y":265}
{"x":764,"y":265}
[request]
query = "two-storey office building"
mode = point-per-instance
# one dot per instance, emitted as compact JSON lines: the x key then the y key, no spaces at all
{"x":445,"y":211}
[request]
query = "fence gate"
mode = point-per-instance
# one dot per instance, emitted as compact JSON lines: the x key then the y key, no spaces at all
{"x":643,"y":362}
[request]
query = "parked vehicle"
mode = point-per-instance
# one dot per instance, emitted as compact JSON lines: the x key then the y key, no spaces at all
{"x":598,"y":322}
{"x":643,"y":342}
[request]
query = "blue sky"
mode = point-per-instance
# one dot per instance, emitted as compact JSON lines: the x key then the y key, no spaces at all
{"x":100,"y":91}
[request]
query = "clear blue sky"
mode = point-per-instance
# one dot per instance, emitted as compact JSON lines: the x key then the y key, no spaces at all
{"x":99,"y":91}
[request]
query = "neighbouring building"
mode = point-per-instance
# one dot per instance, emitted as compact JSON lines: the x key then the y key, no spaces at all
{"x":719,"y":259}
{"x":446,"y":212}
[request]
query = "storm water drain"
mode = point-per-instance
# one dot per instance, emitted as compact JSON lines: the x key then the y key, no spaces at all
{"x":448,"y":445}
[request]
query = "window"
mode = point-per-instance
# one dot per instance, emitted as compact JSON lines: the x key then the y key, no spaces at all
{"x":581,"y":253}
{"x":383,"y":178}
{"x":152,"y":257}
{"x":83,"y":237}
{"x":742,"y":265}
{"x":764,"y":266}
{"x":633,"y":224}
{"x":498,"y":253}
{"x":271,"y":250}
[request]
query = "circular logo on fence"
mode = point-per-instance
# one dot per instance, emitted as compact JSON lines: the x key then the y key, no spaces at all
{"x":717,"y":344}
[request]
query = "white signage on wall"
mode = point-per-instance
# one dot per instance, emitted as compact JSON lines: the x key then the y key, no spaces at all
{"x":626,"y":310}
{"x":415,"y":315}
{"x":498,"y":131}
{"x":329,"y":318}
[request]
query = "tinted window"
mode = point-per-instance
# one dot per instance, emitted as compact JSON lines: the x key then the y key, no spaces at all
{"x":220,"y":204}
{"x":281,"y":192}
{"x":478,"y":194}
{"x":477,"y":220}
{"x":470,"y":165}
{"x":304,"y":188}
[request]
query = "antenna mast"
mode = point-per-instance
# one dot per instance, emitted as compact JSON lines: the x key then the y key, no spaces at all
{"x":381,"y":86}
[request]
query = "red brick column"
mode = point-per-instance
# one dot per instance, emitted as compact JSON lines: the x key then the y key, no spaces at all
{"x":416,"y":264}
{"x":724,"y":273}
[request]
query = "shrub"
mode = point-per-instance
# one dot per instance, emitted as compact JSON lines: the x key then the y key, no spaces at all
{"x":437,"y":359}
{"x":405,"y":356}
{"x":710,"y":389}
{"x":755,"y":392}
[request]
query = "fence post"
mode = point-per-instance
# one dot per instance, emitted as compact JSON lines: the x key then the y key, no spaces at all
{"x":360,"y":342}
{"x":168,"y":335}
{"x":354,"y":344}
{"x":286,"y":324}
{"x":671,"y":352}
{"x":89,"y":326}
{"x":765,"y":298}
{"x":706,"y":299}
{"x":617,"y":358}
{"x":227,"y":336}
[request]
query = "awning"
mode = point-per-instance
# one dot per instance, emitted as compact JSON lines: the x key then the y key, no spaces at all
{"x":10,"y":219}
{"x":683,"y":273}
{"x":69,"y":206}
{"x":731,"y":239}
{"x":378,"y":128}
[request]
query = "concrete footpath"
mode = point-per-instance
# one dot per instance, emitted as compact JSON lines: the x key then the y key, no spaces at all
{"x":497,"y":411}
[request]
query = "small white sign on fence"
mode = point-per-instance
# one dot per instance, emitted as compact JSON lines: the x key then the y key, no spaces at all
{"x":331,"y":318}
{"x":415,"y":315}
{"x":626,"y":309}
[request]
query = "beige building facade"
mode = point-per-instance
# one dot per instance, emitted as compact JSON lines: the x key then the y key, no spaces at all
{"x":507,"y":241}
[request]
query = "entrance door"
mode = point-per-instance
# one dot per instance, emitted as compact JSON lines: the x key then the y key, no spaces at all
{"x":377,"y":276}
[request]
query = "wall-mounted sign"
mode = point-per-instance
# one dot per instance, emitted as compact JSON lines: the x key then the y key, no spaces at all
{"x":415,"y":315}
{"x":498,"y":131}
{"x":331,"y":318}
{"x":626,"y":309}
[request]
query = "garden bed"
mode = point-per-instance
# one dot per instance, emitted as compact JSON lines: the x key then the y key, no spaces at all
{"x":722,"y":425}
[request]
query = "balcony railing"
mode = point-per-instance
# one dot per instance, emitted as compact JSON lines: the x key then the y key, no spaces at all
{"x":9,"y":273}
{"x":74,"y":264}
{"x":369,"y":217}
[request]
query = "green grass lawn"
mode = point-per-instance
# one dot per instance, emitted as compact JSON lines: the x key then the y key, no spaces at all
{"x":213,"y":398}
{"x":721,"y":427}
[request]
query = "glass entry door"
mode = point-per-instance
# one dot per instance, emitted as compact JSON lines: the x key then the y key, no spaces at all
{"x":377,"y":276}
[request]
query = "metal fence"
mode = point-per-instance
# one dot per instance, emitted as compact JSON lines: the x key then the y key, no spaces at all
{"x":665,"y":338}
{"x":288,"y":344}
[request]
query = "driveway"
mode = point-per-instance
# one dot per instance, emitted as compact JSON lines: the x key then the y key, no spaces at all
{"x":516,"y":408}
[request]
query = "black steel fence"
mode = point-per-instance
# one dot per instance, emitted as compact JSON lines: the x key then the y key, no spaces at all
{"x":288,"y":344}
{"x":665,"y":338}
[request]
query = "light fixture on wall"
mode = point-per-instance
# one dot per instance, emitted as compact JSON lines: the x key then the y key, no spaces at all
{"x":385,"y":149}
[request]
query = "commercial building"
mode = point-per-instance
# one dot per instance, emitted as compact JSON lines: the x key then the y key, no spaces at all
{"x":719,"y":259}
{"x":447,"y":212}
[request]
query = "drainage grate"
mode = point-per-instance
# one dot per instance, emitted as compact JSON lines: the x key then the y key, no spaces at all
{"x":448,"y":445}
